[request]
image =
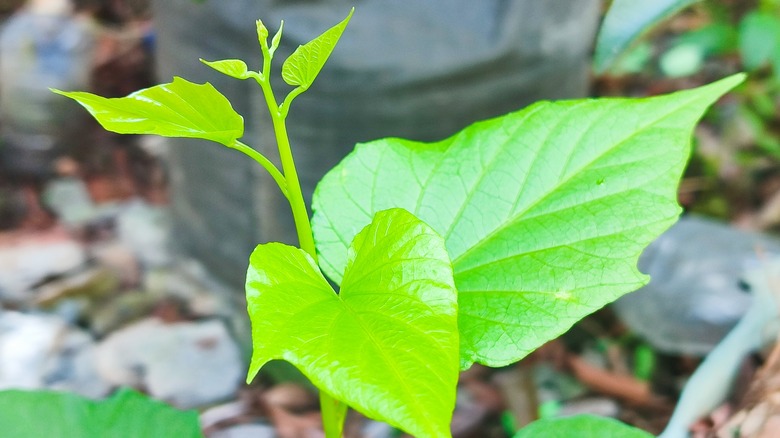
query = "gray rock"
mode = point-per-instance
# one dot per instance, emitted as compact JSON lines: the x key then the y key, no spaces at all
{"x":246,"y":431}
{"x":187,"y":364}
{"x":694,"y":296}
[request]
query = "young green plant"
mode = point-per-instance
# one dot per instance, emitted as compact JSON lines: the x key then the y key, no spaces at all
{"x":477,"y":248}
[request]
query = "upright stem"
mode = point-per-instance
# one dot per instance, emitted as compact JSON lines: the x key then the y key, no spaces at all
{"x":294,"y":194}
{"x":333,"y":415}
{"x":333,"y":411}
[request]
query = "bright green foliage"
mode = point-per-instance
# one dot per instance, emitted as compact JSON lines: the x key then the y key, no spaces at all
{"x":544,"y":211}
{"x":625,"y":22}
{"x":235,"y":68}
{"x":307,"y":60}
{"x":581,"y":426}
{"x":387,"y":345}
{"x":759,"y":40}
{"x":35,"y":414}
{"x":177,"y":109}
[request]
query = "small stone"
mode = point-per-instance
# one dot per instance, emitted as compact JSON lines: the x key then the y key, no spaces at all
{"x":223,"y":414}
{"x":246,"y":431}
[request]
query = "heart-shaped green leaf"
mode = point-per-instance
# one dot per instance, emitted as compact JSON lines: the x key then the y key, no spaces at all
{"x":544,"y":211}
{"x":31,"y":414}
{"x":625,"y":22}
{"x":235,"y":68}
{"x":387,"y":345}
{"x":305,"y":63}
{"x":581,"y":426}
{"x":177,"y":109}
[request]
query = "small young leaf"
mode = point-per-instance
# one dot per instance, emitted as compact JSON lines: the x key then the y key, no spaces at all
{"x":177,"y":109}
{"x":626,"y":21}
{"x":387,"y":345}
{"x":60,"y":414}
{"x":235,"y":68}
{"x":581,"y":426}
{"x":544,"y":211}
{"x":303,"y":66}
{"x":262,"y":32}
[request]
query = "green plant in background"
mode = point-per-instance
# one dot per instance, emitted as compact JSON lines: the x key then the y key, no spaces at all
{"x":717,"y":37}
{"x":125,"y":414}
{"x":477,"y":248}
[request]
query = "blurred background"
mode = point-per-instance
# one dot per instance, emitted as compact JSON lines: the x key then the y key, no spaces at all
{"x":122,"y":258}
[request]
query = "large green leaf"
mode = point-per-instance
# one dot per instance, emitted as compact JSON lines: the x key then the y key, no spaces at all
{"x":305,"y":63}
{"x":544,"y":211}
{"x":626,"y":21}
{"x":35,"y":414}
{"x":387,"y":345}
{"x":581,"y":426}
{"x":177,"y":109}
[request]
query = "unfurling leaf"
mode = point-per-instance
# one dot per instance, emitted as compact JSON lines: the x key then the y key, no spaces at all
{"x":303,"y":66}
{"x":387,"y":344}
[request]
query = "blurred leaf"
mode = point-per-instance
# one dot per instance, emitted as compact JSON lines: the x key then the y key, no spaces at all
{"x":644,"y":362}
{"x":682,"y":60}
{"x":177,"y":109}
{"x":625,"y":22}
{"x":712,"y":39}
{"x":635,"y":59}
{"x":36,"y":414}
{"x":759,"y":37}
{"x":581,"y":426}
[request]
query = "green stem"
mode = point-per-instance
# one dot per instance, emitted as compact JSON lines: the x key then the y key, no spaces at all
{"x":294,"y":194}
{"x":265,"y":162}
{"x":333,"y":415}
{"x":333,"y":411}
{"x":285,"y":106}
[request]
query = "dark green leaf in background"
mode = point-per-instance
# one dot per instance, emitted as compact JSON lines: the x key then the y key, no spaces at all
{"x":544,"y":211}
